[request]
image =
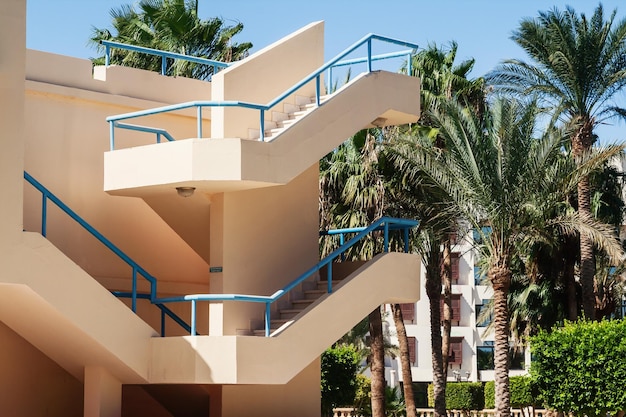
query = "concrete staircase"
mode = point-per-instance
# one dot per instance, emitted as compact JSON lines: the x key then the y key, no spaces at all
{"x":291,"y":113}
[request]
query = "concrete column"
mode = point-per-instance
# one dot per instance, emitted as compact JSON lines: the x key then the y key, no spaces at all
{"x":12,"y":75}
{"x":102,"y":393}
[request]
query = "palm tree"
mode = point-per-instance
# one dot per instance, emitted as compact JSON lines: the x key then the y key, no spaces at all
{"x":174,"y":26}
{"x":496,"y":173}
{"x":442,"y":79}
{"x":578,"y":69}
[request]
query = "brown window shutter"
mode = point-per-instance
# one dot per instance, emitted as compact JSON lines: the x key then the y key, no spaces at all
{"x":456,"y":307}
{"x":456,"y":351}
{"x":412,"y":349}
{"x":408,"y":311}
{"x":454,"y":261}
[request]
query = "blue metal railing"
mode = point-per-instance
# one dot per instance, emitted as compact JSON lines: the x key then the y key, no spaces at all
{"x":262,"y":108}
{"x":108,"y":45}
{"x":136,"y":268}
{"x":384,"y":224}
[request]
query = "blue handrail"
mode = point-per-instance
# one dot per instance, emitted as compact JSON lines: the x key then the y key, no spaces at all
{"x":262,"y":108}
{"x":385,"y":224}
{"x":136,"y":268}
{"x":163,"y":54}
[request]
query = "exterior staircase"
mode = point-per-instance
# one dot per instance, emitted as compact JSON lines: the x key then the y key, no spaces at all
{"x":291,"y":114}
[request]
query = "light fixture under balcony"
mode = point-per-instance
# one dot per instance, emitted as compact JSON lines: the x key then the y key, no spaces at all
{"x":185,"y":191}
{"x":379,"y":122}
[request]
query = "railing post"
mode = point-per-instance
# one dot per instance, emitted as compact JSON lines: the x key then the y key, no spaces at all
{"x":341,"y":240}
{"x":158,"y":138}
{"x":44,"y":213}
{"x":262,"y":132}
{"x":386,"y":237}
{"x":317,"y":89}
{"x":193,"y":317}
{"x":200,"y":121}
{"x":134,"y":291}
{"x":163,"y":65}
{"x":112,"y":135}
{"x":406,"y":240}
{"x":268,"y":321}
{"x":369,"y":55}
{"x":107,"y":55}
{"x":329,"y":277}
{"x":162,"y":323}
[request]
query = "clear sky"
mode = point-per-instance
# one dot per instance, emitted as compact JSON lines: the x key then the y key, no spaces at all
{"x":480,"y":27}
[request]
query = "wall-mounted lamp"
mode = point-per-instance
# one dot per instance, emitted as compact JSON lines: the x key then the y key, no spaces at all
{"x":379,"y":122}
{"x":185,"y":191}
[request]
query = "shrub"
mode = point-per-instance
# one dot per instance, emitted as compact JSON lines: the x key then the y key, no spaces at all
{"x":580,"y":367}
{"x":490,"y":394}
{"x":339,"y":369}
{"x":461,"y":396}
{"x":520,"y":388}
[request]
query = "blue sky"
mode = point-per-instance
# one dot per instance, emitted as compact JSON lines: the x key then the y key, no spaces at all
{"x":480,"y":27}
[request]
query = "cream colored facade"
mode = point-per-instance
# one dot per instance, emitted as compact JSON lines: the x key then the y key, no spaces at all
{"x":68,"y":346}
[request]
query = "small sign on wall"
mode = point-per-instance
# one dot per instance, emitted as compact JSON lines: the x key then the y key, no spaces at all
{"x":214,"y":269}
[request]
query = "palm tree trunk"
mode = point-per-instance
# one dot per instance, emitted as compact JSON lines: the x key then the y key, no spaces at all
{"x":569,"y":279}
{"x":447,"y":304}
{"x":377,"y":363}
{"x":501,"y":280}
{"x":587,"y":258}
{"x":581,"y":143}
{"x":405,"y":361}
{"x":433,"y":290}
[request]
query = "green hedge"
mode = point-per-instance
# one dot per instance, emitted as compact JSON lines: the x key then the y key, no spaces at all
{"x":461,"y":396}
{"x":521,"y":390}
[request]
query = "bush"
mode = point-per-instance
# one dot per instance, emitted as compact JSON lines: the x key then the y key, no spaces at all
{"x":580,"y":368}
{"x":490,"y":394}
{"x":339,"y":369}
{"x":520,"y":388}
{"x":461,"y":396}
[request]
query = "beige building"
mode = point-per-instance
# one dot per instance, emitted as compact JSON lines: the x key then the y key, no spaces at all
{"x":214,"y":220}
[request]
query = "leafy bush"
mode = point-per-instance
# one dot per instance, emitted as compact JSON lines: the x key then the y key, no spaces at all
{"x":461,"y":396}
{"x":339,"y":368}
{"x":490,"y":394}
{"x":520,"y":387}
{"x":580,"y":367}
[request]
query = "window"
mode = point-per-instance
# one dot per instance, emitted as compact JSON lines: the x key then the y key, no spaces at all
{"x":456,"y":351}
{"x":479,"y":309}
{"x":412,"y":349}
{"x":485,"y":357}
{"x":478,"y":276}
{"x":408,"y":311}
{"x":456,"y":308}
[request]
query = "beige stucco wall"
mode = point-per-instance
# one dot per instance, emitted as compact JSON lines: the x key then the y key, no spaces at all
{"x":264,"y":76}
{"x":32,"y":384}
{"x":66,"y":137}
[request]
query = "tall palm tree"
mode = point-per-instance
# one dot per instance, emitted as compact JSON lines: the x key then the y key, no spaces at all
{"x":442,"y":79}
{"x":174,"y":26}
{"x":578,"y":68}
{"x":497,"y":174}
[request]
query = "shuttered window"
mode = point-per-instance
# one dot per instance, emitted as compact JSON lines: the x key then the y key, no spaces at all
{"x":456,"y":308}
{"x":408,"y":311}
{"x":456,"y":351}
